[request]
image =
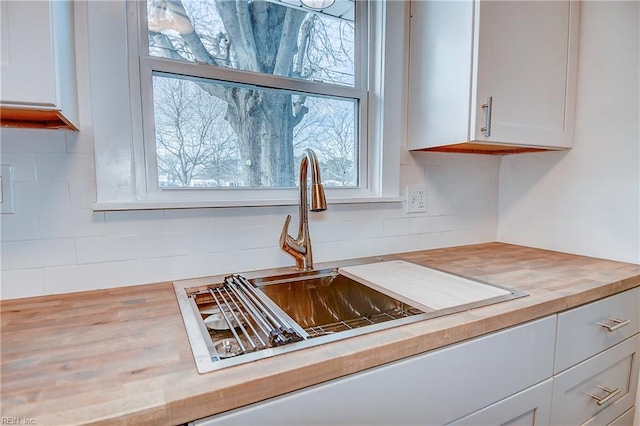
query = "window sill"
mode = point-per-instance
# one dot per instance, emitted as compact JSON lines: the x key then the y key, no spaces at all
{"x":169,"y":205}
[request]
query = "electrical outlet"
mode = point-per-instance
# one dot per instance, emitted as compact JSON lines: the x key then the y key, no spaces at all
{"x":416,"y":198}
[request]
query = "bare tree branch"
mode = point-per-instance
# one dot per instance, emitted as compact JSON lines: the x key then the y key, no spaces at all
{"x":288,"y":41}
{"x":163,"y":42}
{"x":299,"y":110}
{"x":237,"y":22}
{"x":188,"y":33}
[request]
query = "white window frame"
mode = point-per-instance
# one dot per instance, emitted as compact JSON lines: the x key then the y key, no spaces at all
{"x":149,"y":64}
{"x":123,"y":178}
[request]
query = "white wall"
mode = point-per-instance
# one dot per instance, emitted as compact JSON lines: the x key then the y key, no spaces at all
{"x":587,"y":200}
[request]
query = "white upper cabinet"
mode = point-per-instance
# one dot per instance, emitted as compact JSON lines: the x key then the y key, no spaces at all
{"x":492,"y":76}
{"x":38,"y":64}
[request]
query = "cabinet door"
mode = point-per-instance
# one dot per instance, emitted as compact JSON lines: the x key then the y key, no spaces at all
{"x":441,"y":42}
{"x":529,"y":407}
{"x":27,"y":53}
{"x":434,"y":388}
{"x":526,"y":62}
{"x":38,"y":87}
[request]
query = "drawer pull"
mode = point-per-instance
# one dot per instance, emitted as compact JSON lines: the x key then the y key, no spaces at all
{"x":616,"y":324}
{"x":601,"y":400}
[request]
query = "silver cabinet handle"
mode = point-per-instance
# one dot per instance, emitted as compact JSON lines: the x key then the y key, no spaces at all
{"x":616,"y":324}
{"x":601,"y":400}
{"x":487,"y":124}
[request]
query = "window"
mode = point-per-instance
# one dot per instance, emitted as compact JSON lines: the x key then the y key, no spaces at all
{"x":235,"y":91}
{"x":211,"y":121}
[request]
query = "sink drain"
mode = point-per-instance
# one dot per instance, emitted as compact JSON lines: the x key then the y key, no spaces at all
{"x":227,"y":348}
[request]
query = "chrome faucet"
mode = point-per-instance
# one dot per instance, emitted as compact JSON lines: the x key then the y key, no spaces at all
{"x":300,"y":248}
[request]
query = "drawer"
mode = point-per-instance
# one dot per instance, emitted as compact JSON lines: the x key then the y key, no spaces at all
{"x":593,"y":328}
{"x":624,"y":420}
{"x":598,"y":390}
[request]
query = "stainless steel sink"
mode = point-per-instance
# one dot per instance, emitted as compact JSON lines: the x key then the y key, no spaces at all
{"x":328,"y":302}
{"x":238,"y":319}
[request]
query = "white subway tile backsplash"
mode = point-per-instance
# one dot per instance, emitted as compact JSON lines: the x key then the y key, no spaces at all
{"x":199,"y":265}
{"x":41,"y":195}
{"x":123,"y":247}
{"x":409,"y":175}
{"x":40,"y":253}
{"x":334,"y":230}
{"x":459,"y":238}
{"x":32,"y":141}
{"x":24,"y":165}
{"x":250,"y":237}
{"x":410,"y":158}
{"x":445,"y":176}
{"x":351,"y":212}
{"x":458,"y":199}
{"x":189,"y":220}
{"x":422,"y":224}
{"x":396,"y":244}
{"x":143,"y":271}
{"x":270,"y":257}
{"x":56,"y":243}
{"x":136,"y":222}
{"x":448,"y":223}
{"x":338,"y":250}
{"x":82,"y":195}
{"x":220,"y":240}
{"x":70,"y":223}
{"x":22,"y":225}
{"x":80,"y":142}
{"x":3,"y":256}
{"x":66,"y":279}
{"x":22,"y":283}
{"x":397,"y":226}
{"x":64,"y":167}
{"x":264,"y":216}
{"x":204,"y":241}
{"x":248,"y":260}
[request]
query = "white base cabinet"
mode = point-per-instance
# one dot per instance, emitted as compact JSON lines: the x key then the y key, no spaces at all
{"x":503,"y":378}
{"x":597,"y":360}
{"x":438,"y":387}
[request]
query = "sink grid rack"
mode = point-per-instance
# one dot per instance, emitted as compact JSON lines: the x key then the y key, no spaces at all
{"x":336,"y":327}
{"x":240,"y":319}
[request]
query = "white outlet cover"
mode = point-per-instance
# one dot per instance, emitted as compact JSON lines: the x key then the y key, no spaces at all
{"x":416,"y":198}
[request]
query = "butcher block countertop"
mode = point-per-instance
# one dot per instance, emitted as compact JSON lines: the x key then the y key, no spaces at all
{"x":121,"y":356}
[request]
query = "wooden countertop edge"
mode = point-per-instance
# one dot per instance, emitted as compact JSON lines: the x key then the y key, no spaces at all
{"x":399,"y":343}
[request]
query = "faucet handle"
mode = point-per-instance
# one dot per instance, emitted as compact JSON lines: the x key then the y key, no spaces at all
{"x":284,"y":235}
{"x":292,"y":246}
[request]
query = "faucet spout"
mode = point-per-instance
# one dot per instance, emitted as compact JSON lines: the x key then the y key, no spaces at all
{"x":300,"y":247}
